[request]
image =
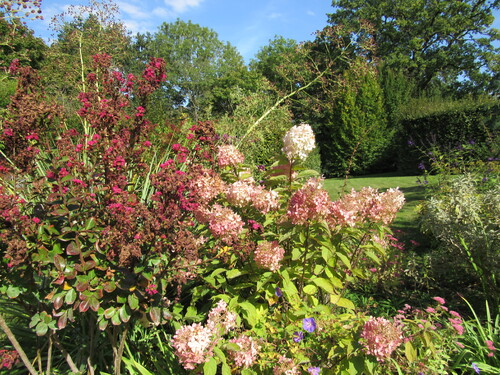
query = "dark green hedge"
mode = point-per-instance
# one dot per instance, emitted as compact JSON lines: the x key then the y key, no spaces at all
{"x":446,"y":127}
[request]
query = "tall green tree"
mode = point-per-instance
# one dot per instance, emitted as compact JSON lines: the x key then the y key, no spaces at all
{"x":355,"y":135}
{"x":444,"y":43}
{"x":201,"y":69}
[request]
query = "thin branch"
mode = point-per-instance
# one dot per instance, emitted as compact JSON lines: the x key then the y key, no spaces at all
{"x":16,"y":345}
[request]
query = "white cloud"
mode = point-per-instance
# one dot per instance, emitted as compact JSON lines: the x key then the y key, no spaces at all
{"x":180,"y":6}
{"x":133,"y":11}
{"x":310,"y":13}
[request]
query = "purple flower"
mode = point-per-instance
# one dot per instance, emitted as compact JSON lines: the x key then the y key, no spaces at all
{"x":278,"y":292}
{"x":411,"y":143}
{"x":309,"y":324}
{"x":298,"y":336}
{"x":421,"y":166}
{"x":476,"y":369}
{"x":313,"y":370}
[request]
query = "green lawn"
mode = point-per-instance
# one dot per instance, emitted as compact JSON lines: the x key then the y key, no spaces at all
{"x":406,"y":220}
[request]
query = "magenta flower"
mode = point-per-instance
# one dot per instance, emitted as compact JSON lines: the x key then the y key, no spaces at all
{"x":309,"y":325}
{"x":439,"y":300}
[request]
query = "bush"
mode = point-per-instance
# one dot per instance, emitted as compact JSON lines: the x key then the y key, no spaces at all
{"x":104,"y":234}
{"x":465,"y":221}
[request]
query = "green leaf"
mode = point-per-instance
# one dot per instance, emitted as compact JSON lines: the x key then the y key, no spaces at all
{"x":220,"y":354}
{"x":115,"y":320}
{"x":410,"y":352}
{"x":226,"y":370}
{"x":250,"y":312}
{"x":41,"y":329}
{"x":133,"y":301}
{"x":231,"y":274}
{"x":324,"y":284}
{"x":310,"y":289}
{"x":342,"y":302}
{"x":210,"y":367}
{"x":70,"y":297}
{"x":124,"y":314}
{"x":13,"y":291}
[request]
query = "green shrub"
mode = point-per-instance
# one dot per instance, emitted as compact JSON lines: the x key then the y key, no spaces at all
{"x":466,"y":223}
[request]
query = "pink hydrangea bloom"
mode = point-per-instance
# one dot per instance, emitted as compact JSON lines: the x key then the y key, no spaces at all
{"x":269,"y":255}
{"x":249,"y":350}
{"x":240,"y":193}
{"x":206,"y":186}
{"x":193,"y":345}
{"x":311,"y":202}
{"x":380,"y":337}
{"x":220,"y":319}
{"x":229,"y":155}
{"x":298,"y":142}
{"x":225,"y":223}
{"x":367,"y":205}
{"x":245,"y":192}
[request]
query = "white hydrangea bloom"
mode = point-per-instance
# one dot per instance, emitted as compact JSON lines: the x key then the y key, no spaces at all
{"x":298,"y":142}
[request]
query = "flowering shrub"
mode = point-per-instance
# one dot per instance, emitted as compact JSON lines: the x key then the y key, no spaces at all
{"x":96,"y":228}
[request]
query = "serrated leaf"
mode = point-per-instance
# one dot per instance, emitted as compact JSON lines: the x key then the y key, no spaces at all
{"x":226,"y":370}
{"x":210,"y":367}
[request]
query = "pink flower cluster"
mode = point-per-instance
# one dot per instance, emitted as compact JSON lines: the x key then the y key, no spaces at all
{"x":245,"y":192}
{"x":367,"y":204}
{"x":298,"y":142}
{"x":269,"y":255}
{"x":380,"y":337}
{"x":224,"y":223}
{"x":229,"y":155}
{"x":249,"y":350}
{"x":206,"y":186}
{"x":220,"y":319}
{"x":194,"y":344}
{"x":311,"y":202}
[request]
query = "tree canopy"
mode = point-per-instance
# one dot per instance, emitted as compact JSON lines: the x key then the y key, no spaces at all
{"x":199,"y":65}
{"x":448,"y":43}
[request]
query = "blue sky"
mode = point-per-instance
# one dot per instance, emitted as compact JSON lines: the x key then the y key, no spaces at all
{"x":246,"y":24}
